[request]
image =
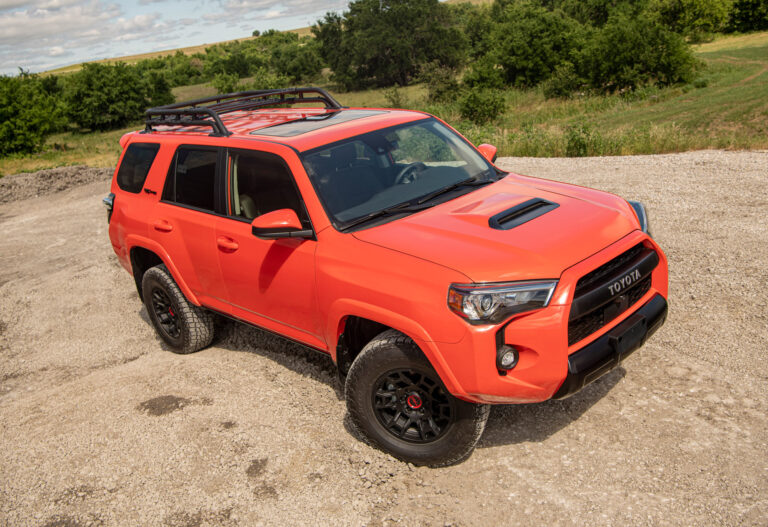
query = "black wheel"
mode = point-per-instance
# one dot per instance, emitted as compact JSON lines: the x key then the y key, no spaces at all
{"x":185,"y":327}
{"x":397,"y":400}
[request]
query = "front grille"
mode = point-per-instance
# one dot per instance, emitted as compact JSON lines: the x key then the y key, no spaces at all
{"x":583,"y":327}
{"x":595,"y":311}
{"x":594,"y":277}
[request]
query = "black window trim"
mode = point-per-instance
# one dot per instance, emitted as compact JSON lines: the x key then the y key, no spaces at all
{"x":227,"y":157}
{"x":170,"y":178}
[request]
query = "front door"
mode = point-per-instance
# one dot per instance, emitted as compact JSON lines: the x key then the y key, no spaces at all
{"x":270,"y":283}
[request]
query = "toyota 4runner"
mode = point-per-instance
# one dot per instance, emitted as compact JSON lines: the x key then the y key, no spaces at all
{"x":437,"y":282}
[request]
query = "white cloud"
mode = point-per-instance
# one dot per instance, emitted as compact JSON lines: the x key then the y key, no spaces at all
{"x":44,"y":34}
{"x":57,"y":51}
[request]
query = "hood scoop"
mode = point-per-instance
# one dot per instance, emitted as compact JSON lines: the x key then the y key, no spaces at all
{"x":522,"y":213}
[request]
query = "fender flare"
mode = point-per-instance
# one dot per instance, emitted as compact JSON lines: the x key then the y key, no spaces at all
{"x":133,"y":241}
{"x":343,"y":308}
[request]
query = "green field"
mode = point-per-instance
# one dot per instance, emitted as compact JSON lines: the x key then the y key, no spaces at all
{"x":726,"y":107}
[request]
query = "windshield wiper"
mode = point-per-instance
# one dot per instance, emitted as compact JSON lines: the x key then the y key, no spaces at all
{"x":397,"y":209}
{"x":469,"y":182}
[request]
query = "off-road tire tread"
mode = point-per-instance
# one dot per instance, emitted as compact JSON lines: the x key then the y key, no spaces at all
{"x":196,"y":322}
{"x":464,"y":437}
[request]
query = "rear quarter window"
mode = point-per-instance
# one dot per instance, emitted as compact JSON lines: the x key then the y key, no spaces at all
{"x":136,"y":163}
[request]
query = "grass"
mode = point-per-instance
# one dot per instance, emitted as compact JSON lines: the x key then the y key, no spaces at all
{"x":726,"y":107}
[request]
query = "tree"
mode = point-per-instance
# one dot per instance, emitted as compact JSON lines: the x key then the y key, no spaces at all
{"x":101,"y":97}
{"x":529,"y":42}
{"x":28,"y":113}
{"x":385,"y":42}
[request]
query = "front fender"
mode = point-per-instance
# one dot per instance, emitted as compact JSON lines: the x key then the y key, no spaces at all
{"x":343,"y":308}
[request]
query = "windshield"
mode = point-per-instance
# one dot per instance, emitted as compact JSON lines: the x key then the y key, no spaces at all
{"x":363,"y":175}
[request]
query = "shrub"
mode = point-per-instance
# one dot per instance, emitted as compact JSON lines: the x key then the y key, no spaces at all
{"x":481,"y":106}
{"x":531,"y":41}
{"x":577,"y":140}
{"x":629,"y":52}
{"x":748,"y":15}
{"x":101,"y":97}
{"x":485,"y":73}
{"x":441,"y":81}
{"x":395,"y":98}
{"x":225,"y":82}
{"x":264,"y":79}
{"x":28,"y":113}
{"x":563,"y":82}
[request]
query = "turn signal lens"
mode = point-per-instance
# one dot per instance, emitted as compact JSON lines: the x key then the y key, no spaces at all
{"x":491,"y":303}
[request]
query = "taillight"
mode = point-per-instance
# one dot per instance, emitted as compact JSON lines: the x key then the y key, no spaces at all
{"x":109,"y":202}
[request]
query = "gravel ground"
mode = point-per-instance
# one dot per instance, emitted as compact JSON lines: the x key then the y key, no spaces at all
{"x":102,"y":426}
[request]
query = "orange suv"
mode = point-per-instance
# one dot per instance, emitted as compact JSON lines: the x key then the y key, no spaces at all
{"x":437,"y":282}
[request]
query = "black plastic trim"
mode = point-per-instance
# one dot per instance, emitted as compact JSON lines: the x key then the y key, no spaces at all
{"x":606,"y":353}
{"x":522,"y":213}
{"x":633,"y":272}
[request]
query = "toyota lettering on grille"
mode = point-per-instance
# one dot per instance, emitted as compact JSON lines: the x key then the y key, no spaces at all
{"x":624,"y":282}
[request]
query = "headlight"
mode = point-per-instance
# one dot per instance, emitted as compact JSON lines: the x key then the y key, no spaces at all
{"x":491,"y":303}
{"x":642,"y":215}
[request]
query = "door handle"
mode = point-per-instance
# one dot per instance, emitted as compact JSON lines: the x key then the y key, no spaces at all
{"x":163,"y":226}
{"x":227,"y":244}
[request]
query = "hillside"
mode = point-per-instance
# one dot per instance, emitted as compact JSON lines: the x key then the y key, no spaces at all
{"x":726,"y":107}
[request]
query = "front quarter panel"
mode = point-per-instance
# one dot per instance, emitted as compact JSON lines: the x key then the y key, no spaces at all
{"x":356,"y":278}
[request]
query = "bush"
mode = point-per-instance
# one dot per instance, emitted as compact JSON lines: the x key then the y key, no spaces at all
{"x":577,"y":140}
{"x":28,"y":113}
{"x":481,"y":106}
{"x":563,"y":82}
{"x":225,"y":82}
{"x":395,"y":98}
{"x":630,"y":52}
{"x":748,"y":15}
{"x":441,"y":81}
{"x":485,"y":73}
{"x":264,"y":79}
{"x":530,"y":42}
{"x":102,"y":97}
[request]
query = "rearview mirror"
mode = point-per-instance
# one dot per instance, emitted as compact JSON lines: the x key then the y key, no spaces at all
{"x":488,"y":151}
{"x":282,"y":223}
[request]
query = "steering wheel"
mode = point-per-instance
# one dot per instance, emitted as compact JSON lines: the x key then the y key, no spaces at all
{"x":408,"y":174}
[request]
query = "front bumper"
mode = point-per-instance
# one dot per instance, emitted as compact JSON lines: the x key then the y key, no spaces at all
{"x":606,"y":353}
{"x":548,"y":365}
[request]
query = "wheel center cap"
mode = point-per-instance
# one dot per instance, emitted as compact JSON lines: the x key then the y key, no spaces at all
{"x":414,"y":401}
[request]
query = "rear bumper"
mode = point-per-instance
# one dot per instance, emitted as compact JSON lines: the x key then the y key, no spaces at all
{"x":606,"y":353}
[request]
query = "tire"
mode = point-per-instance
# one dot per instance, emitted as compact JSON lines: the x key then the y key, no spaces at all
{"x":185,"y":327}
{"x":433,"y":428}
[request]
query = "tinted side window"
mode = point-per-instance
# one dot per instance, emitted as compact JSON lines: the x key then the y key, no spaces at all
{"x":135,"y":166}
{"x":192,"y":178}
{"x":261,"y":183}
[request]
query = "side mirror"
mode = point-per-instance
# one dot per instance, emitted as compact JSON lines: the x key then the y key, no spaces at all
{"x":281,"y":223}
{"x":488,"y":151}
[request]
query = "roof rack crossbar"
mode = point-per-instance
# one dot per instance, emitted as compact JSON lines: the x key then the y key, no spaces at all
{"x":207,"y":111}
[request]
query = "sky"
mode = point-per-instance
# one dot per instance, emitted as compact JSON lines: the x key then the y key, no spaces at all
{"x":39,"y":35}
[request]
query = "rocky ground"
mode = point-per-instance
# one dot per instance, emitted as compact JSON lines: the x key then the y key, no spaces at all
{"x":100,"y":425}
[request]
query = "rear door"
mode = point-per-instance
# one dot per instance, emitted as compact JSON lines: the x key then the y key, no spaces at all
{"x":184,"y":220}
{"x":270,"y":283}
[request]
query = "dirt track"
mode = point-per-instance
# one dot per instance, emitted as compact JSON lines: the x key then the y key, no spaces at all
{"x":99,"y":425}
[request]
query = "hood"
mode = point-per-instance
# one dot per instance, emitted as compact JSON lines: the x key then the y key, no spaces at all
{"x":457,"y":233}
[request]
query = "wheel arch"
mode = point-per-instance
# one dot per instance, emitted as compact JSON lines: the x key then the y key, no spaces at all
{"x":144,"y":254}
{"x":360,"y":323}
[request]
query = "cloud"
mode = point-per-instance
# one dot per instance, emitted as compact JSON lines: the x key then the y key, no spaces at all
{"x":57,"y":51}
{"x":44,"y":34}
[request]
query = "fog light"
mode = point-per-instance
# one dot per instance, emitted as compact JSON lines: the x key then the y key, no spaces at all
{"x":506,"y":358}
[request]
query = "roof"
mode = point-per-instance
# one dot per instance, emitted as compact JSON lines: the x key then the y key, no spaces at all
{"x":247,"y":115}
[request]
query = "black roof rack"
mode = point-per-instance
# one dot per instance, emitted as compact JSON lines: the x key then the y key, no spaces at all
{"x":207,"y":111}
